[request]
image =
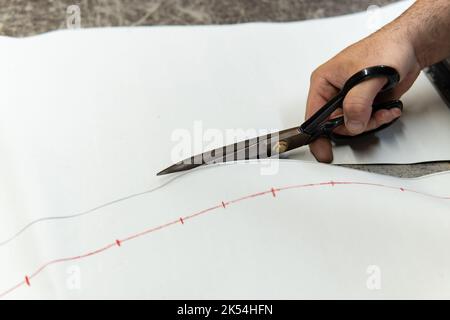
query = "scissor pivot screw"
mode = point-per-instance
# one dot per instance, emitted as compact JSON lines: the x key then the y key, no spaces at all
{"x":280,"y":146}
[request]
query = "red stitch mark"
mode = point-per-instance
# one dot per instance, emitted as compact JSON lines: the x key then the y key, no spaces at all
{"x":273,"y":192}
{"x":181,"y":220}
{"x":118,"y":243}
{"x":332,"y":183}
{"x":199,"y":213}
{"x":223,"y":204}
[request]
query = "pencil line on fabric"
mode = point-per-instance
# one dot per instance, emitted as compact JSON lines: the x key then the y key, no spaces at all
{"x":84,"y":213}
{"x":27,"y":279}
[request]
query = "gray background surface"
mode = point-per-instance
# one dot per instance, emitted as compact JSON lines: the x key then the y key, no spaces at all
{"x":23,"y":18}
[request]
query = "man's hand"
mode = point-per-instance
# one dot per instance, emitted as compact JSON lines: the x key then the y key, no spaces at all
{"x":396,"y":45}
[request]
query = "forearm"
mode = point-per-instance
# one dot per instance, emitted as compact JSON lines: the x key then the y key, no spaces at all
{"x":426,"y":26}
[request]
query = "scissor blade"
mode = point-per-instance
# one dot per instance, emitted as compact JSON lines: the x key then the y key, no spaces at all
{"x":260,"y":147}
{"x":177,"y":167}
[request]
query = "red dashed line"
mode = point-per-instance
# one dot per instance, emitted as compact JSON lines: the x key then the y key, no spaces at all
{"x":196,"y":214}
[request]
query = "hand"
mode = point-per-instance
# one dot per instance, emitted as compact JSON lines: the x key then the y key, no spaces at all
{"x":381,"y":48}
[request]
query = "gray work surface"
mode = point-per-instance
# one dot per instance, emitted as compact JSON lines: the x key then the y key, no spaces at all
{"x":22,"y":18}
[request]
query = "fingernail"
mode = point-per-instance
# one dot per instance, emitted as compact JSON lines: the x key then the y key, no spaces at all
{"x":355,"y":126}
{"x":396,"y":112}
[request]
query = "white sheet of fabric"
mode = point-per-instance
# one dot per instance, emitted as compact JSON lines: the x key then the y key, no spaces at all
{"x":384,"y":238}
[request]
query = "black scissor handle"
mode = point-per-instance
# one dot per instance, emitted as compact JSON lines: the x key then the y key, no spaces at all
{"x":318,"y":125}
{"x":373,"y":72}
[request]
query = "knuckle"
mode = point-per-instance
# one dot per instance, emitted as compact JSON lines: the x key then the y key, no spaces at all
{"x":316,"y":75}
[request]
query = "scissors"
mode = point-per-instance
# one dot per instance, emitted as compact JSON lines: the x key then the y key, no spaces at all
{"x":318,"y":125}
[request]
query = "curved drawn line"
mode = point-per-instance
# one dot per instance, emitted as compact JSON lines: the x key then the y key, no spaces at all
{"x":223,"y":205}
{"x":92,"y":210}
{"x":86,"y":212}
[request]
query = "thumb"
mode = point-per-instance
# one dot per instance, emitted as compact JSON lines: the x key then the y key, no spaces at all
{"x":358,"y":102}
